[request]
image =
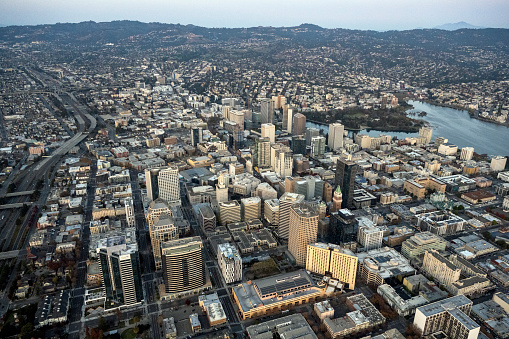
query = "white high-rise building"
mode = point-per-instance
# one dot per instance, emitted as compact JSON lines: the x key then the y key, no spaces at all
{"x":370,"y":237}
{"x":129,"y":212}
{"x":287,"y":118}
{"x":229,"y":262}
{"x":426,"y":133}
{"x":281,"y":159}
{"x":498,"y":163}
{"x":163,"y":183}
{"x":269,"y":131}
{"x":238,"y":118}
{"x":169,"y":188}
{"x":286,"y":202}
{"x":336,"y":134}
{"x":261,"y":155}
{"x":267,"y":111}
{"x":467,"y":153}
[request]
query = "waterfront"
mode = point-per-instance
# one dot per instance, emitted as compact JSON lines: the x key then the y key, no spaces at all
{"x":456,"y":125}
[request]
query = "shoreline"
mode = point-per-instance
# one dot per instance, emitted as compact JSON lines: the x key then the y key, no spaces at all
{"x":471,"y":113}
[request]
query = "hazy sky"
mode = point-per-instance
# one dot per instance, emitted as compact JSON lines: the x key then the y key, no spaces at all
{"x":356,"y":14}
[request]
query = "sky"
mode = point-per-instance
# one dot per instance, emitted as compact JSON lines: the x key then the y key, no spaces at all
{"x":353,"y":14}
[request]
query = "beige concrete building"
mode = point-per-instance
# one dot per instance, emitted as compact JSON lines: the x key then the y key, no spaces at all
{"x":183,"y":265}
{"x":334,"y":261}
{"x":303,"y":231}
{"x":450,"y":316}
{"x":440,"y":268}
{"x":420,"y":243}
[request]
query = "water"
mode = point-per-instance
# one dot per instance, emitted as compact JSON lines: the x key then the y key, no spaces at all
{"x":455,"y":125}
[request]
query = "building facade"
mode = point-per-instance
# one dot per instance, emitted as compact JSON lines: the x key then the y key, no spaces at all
{"x":230,"y":263}
{"x":334,"y":261}
{"x":303,"y":231}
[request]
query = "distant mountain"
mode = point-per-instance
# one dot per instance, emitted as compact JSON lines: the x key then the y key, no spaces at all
{"x":457,"y":25}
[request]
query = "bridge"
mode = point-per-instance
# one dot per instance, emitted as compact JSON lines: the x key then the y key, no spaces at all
{"x":17,"y":194}
{"x":16,"y":205}
{"x":9,"y":255}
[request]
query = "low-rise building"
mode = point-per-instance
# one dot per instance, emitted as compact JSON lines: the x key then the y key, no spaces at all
{"x":363,"y":316}
{"x":52,"y":309}
{"x":402,"y":306}
{"x":230,"y":263}
{"x":292,"y":326}
{"x":170,"y":331}
{"x":376,"y":266}
{"x":420,"y":243}
{"x":274,"y":294}
{"x":212,"y":306}
{"x":324,"y":310}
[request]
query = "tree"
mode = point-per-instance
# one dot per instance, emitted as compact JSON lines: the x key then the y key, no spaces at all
{"x":136,"y":330}
{"x":27,"y":329}
{"x":188,"y":302}
{"x":412,"y":332}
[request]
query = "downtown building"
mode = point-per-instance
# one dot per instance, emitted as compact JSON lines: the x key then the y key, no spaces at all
{"x":303,"y":231}
{"x":333,"y":261}
{"x":345,"y":178}
{"x":229,"y":262}
{"x":120,"y":270}
{"x":183,"y":266}
{"x":163,"y":182}
{"x":161,"y":227}
{"x":450,"y":316}
{"x":336,"y":134}
{"x":286,"y":202}
{"x":419,"y":243}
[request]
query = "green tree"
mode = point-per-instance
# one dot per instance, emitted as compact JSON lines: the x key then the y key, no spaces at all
{"x":27,"y":329}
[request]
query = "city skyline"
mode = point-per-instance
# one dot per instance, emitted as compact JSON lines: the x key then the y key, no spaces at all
{"x":363,"y":15}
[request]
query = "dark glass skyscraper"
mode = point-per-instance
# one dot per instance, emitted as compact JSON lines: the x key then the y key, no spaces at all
{"x":342,"y":228}
{"x":345,"y":178}
{"x":299,"y":144}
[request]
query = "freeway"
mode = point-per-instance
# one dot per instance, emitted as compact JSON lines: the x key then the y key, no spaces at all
{"x":17,"y":194}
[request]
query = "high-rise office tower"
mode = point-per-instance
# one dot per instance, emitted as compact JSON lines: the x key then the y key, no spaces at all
{"x":129,"y":212}
{"x":334,"y":261}
{"x":498,"y":163}
{"x":229,"y":212}
{"x":287,"y":118}
{"x":163,"y":182}
{"x":299,"y":124}
{"x":342,"y":228}
{"x":207,"y":219}
{"x":269,"y":131}
{"x":370,"y":237}
{"x":267,"y":111}
{"x":281,"y":159}
{"x":183,"y":265}
{"x":426,"y":133}
{"x":238,"y":118}
{"x":229,"y":262}
{"x":285,"y":203}
{"x":317,"y":146}
{"x":261,"y":155}
{"x":196,"y":136}
{"x":309,"y":186}
{"x":467,"y":153}
{"x":120,"y":270}
{"x":299,"y":144}
{"x":251,"y":208}
{"x":345,"y":177}
{"x":303,"y":231}
{"x":226,"y":112}
{"x":310,"y":134}
{"x":279,"y":101}
{"x":336,"y":134}
{"x":163,"y":228}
